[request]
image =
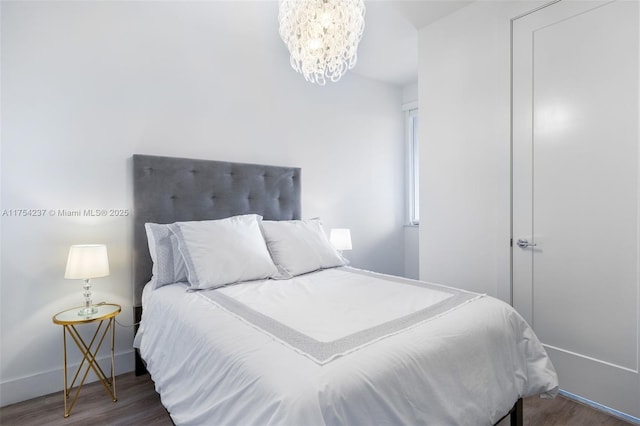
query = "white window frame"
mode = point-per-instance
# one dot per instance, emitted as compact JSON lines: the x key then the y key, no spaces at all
{"x":413,"y":161}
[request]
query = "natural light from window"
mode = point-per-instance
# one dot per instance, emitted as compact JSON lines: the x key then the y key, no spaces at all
{"x":413,"y":190}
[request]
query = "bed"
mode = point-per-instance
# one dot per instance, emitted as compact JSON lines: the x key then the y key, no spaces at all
{"x":324,"y":343}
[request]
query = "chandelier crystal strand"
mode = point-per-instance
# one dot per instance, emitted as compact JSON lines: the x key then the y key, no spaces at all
{"x":322,"y":36}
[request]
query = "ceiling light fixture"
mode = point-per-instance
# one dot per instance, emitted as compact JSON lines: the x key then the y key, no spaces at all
{"x":322,"y":36}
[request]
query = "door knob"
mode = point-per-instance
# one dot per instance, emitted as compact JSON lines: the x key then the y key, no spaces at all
{"x":522,"y":243}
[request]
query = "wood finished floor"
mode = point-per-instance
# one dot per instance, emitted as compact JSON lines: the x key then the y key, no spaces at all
{"x":139,"y":404}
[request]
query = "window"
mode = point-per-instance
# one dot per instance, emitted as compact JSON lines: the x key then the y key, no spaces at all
{"x":413,"y":158}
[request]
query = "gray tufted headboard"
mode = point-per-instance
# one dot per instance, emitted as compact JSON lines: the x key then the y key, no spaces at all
{"x":168,"y":189}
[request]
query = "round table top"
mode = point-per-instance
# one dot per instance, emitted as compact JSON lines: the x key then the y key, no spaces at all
{"x":72,"y":316}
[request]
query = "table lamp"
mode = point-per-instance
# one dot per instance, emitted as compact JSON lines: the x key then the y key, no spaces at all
{"x":341,"y":239}
{"x":85,"y":262}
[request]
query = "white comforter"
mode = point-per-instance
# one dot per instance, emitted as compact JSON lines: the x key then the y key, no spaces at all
{"x":464,"y":367}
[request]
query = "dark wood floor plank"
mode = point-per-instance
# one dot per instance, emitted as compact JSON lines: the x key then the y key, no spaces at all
{"x":139,"y":404}
{"x":562,"y":411}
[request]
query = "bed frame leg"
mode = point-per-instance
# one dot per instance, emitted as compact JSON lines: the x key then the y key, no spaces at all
{"x":517,"y":415}
{"x":140,"y":367}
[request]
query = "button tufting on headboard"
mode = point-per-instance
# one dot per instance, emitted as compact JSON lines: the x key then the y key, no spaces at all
{"x":168,"y":189}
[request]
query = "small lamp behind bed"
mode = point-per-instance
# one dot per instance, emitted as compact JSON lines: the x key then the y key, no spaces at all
{"x":341,"y":239}
{"x":86,"y":262}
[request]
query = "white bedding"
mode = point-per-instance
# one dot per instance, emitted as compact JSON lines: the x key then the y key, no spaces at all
{"x":466,"y":366}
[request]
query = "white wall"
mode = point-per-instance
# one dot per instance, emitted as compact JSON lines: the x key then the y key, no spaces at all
{"x":464,"y":92}
{"x":87,"y":84}
{"x":410,"y":93}
{"x":411,"y":251}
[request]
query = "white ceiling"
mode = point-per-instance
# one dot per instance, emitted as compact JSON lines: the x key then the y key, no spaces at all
{"x":389,"y":47}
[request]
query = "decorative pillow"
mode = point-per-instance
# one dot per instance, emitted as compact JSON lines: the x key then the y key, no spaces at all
{"x":299,"y":246}
{"x":225,"y":251}
{"x":168,"y":265}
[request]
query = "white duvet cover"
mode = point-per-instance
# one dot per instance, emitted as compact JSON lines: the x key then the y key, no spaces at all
{"x":463,"y":364}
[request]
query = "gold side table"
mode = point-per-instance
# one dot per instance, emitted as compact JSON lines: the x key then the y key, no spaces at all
{"x":68,"y":320}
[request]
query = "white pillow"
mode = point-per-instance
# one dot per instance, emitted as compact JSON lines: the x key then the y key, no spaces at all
{"x":225,"y":251}
{"x":299,"y":246}
{"x":168,"y":265}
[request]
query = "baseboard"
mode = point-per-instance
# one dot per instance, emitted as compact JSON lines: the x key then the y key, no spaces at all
{"x":600,"y":407}
{"x":24,"y":388}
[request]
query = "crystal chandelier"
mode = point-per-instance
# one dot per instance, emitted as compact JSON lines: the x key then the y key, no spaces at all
{"x":322,"y":36}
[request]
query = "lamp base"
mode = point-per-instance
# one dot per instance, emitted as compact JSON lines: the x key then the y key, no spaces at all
{"x":88,"y":311}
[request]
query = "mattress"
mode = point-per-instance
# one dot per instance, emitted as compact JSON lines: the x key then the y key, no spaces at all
{"x":393,"y":351}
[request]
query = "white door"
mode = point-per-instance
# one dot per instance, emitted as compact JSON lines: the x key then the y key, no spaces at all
{"x":576,"y":193}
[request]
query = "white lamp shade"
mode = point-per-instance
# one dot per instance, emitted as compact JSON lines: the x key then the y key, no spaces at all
{"x":87,"y":261}
{"x":341,"y":238}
